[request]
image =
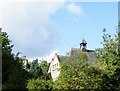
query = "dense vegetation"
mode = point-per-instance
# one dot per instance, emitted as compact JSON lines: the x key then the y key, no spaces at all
{"x":14,"y":76}
{"x":103,"y":74}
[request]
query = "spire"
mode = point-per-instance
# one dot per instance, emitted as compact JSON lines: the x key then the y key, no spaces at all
{"x":83,"y":45}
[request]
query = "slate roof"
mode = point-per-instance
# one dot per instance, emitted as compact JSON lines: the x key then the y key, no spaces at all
{"x":91,"y":56}
{"x":73,"y":54}
{"x":61,"y":57}
{"x":73,"y":51}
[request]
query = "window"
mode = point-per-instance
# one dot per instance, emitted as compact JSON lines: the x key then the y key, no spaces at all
{"x":53,"y":66}
{"x":57,"y":64}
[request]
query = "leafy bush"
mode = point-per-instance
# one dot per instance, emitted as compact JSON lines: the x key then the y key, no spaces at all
{"x":40,"y":84}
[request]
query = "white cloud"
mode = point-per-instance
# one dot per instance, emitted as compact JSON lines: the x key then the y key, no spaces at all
{"x":30,"y":27}
{"x":50,"y":56}
{"x":77,"y":10}
{"x":46,"y":57}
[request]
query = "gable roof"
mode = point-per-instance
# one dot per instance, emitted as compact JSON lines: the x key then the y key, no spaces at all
{"x":61,"y":57}
{"x":74,"y":51}
{"x":91,"y":56}
{"x":73,"y":54}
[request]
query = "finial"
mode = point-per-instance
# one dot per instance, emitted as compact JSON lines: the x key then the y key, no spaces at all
{"x":83,"y":36}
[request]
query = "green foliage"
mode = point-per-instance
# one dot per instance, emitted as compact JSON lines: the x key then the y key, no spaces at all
{"x":109,"y":55}
{"x":103,"y":74}
{"x":40,"y":84}
{"x":6,"y":55}
{"x":17,"y":79}
{"x":77,"y":74}
{"x":41,"y":79}
{"x":35,"y":69}
{"x":44,"y":65}
{"x":6,"y":44}
{"x":13,"y":76}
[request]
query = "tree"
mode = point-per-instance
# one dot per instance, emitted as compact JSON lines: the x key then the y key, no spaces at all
{"x":103,"y":74}
{"x":35,"y":69}
{"x":6,"y":55}
{"x":41,"y":79}
{"x":40,"y":84}
{"x":109,"y":55}
{"x":13,"y":76}
{"x":44,"y":65}
{"x":77,"y":74}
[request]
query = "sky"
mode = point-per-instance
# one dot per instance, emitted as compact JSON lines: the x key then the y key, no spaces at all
{"x":41,"y":29}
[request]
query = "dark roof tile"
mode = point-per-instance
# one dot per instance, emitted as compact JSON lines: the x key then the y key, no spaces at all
{"x":61,"y":57}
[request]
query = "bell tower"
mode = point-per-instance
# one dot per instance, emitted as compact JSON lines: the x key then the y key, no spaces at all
{"x":83,"y":45}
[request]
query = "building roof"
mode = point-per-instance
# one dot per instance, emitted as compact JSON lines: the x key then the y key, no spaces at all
{"x":74,"y":54}
{"x":91,"y":56}
{"x":61,"y":57}
{"x":73,"y":51}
